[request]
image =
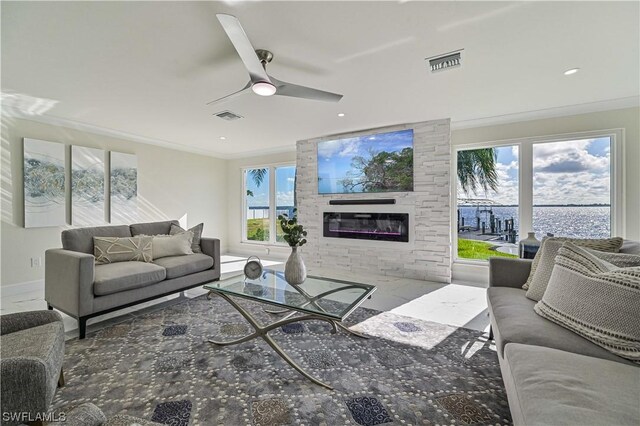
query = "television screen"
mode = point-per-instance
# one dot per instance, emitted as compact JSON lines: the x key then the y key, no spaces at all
{"x":374,"y":163}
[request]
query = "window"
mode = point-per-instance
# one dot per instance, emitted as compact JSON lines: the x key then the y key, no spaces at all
{"x":563,"y":186}
{"x":572,"y":188}
{"x":285,"y":195}
{"x":488,"y":211}
{"x":268,"y":192}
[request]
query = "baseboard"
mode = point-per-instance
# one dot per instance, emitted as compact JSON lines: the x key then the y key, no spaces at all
{"x":470,"y":273}
{"x":19,"y":288}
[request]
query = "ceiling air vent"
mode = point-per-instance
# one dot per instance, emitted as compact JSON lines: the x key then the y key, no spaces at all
{"x":446,"y":61}
{"x":228,"y":115}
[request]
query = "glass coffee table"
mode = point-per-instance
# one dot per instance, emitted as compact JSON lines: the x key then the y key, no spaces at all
{"x":317,"y":299}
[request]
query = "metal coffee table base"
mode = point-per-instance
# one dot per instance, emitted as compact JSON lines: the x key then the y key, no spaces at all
{"x":261,"y":331}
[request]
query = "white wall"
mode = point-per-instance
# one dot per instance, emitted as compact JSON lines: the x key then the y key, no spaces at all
{"x":627,"y":119}
{"x":171,"y":184}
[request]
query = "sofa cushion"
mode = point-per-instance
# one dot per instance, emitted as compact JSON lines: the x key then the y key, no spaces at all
{"x":554,"y":387}
{"x":179,"y":266}
{"x":596,"y":300}
{"x":515,"y":321}
{"x":81,"y":239}
{"x":121,"y":276}
{"x":153,"y":228}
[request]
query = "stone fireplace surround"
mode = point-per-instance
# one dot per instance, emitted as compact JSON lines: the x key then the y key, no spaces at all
{"x":427,"y":256}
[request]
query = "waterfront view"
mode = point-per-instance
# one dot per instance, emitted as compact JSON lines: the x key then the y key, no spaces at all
{"x":567,"y":221}
{"x":571,"y":183}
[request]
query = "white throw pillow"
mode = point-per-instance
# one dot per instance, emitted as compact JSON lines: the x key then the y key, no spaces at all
{"x":595,"y":299}
{"x":543,"y":262}
{"x":172,"y":245}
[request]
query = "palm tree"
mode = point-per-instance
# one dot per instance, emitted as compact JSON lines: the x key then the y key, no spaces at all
{"x":257,"y":175}
{"x":477,"y":169}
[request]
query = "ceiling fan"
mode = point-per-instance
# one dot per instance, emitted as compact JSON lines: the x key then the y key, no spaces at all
{"x":255,"y":61}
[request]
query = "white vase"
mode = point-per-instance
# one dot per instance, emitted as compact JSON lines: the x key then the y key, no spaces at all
{"x":294,"y":270}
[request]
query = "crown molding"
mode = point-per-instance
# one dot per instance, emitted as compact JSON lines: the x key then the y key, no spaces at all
{"x":118,"y":134}
{"x":555,"y":112}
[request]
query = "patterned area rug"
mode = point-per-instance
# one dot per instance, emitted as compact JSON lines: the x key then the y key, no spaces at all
{"x":160,"y":367}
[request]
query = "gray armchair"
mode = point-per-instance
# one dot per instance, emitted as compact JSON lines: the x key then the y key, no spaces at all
{"x":31,"y":352}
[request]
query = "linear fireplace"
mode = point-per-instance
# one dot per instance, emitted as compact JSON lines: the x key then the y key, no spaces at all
{"x":367,"y":226}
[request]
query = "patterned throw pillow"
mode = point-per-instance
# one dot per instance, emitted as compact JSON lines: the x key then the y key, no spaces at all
{"x":122,"y":249}
{"x":172,"y":245}
{"x":546,"y":257}
{"x":197,"y":234}
{"x":596,"y":300}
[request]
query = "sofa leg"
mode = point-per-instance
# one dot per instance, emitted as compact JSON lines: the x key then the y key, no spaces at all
{"x":49,"y":307}
{"x":490,"y":333}
{"x":61,"y":378}
{"x":82,"y":326}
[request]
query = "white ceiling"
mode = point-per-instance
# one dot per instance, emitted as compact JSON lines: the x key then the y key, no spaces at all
{"x":148,"y":68}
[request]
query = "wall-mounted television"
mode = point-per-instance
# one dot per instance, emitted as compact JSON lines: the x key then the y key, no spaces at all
{"x":381,"y":162}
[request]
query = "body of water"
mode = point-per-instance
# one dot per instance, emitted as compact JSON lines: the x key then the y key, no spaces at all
{"x":562,"y":221}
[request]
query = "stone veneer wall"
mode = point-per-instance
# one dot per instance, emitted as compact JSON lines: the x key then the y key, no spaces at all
{"x":428,"y":257}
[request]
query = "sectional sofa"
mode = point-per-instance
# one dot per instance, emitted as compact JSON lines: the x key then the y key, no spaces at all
{"x":553,"y":376}
{"x":77,"y":286}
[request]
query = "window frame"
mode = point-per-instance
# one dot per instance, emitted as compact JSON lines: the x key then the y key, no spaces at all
{"x":271,"y":167}
{"x":525,"y":180}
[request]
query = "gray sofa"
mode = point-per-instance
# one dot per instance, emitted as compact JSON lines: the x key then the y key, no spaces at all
{"x":77,"y":286}
{"x":553,"y":376}
{"x":32,"y":351}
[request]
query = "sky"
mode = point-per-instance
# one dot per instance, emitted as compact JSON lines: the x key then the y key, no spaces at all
{"x":567,"y":172}
{"x":334,"y":157}
{"x":285,"y":177}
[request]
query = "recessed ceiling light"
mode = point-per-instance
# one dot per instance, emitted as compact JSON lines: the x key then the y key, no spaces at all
{"x":341,"y":114}
{"x":571,"y":71}
{"x":222,"y":138}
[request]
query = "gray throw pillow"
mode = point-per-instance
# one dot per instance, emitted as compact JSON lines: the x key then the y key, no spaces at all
{"x":545,"y":257}
{"x":197,"y":234}
{"x":172,"y":245}
{"x":596,"y":300}
{"x":122,"y":249}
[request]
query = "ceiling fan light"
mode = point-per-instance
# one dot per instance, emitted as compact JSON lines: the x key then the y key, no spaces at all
{"x":263,"y":88}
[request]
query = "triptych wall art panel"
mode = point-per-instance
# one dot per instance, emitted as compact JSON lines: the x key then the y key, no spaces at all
{"x":124,"y":188}
{"x":87,"y":186}
{"x":44,"y":190}
{"x":45,"y":201}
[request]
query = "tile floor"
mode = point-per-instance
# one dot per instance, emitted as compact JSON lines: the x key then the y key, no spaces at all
{"x":461,"y":305}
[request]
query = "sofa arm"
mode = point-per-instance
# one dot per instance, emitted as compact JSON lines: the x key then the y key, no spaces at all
{"x":68,"y":281}
{"x":211,"y":247}
{"x":506,"y":272}
{"x":10,"y":323}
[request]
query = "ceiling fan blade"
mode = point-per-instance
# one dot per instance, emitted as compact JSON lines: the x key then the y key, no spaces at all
{"x":233,"y":95}
{"x":296,"y":91}
{"x":243,"y":46}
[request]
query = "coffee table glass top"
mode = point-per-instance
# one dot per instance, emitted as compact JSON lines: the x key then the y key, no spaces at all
{"x":325,"y":297}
